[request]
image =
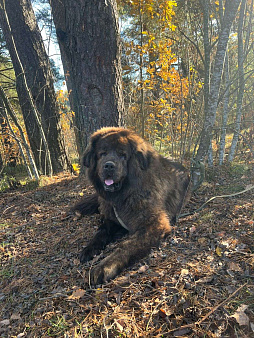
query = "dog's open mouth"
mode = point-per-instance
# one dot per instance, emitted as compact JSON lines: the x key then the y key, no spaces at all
{"x":110,"y":185}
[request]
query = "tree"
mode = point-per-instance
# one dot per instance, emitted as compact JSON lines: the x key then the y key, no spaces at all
{"x":225,"y":112}
{"x":5,"y":138}
{"x":88,"y":36}
{"x":6,"y":112}
{"x":32,"y":67}
{"x":241,"y":80}
{"x":213,"y":80}
{"x":159,"y":89}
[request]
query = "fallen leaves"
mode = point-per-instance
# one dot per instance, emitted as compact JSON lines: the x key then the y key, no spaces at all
{"x":191,"y":286}
{"x":4,"y":322}
{"x":240,"y":315}
{"x":77,"y":294}
{"x":218,"y":251}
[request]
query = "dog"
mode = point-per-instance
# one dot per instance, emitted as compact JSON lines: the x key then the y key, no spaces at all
{"x":139,"y":193}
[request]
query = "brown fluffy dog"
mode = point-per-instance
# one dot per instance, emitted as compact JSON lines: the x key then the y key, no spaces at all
{"x":138,"y":192}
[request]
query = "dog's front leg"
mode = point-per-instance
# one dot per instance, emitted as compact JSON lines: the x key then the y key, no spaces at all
{"x":108,"y":232}
{"x":135,"y":247}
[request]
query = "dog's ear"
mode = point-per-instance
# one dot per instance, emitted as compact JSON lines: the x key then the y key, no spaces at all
{"x":88,"y":156}
{"x":140,"y":151}
{"x":144,"y":159}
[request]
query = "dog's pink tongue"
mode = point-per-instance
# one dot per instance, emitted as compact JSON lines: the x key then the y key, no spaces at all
{"x":109,"y":182}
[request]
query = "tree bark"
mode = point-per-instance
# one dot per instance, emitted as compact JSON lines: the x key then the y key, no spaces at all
{"x":88,"y":36}
{"x":20,"y":25}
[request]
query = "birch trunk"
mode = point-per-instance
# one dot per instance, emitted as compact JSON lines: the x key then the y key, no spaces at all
{"x":231,"y":7}
{"x":241,"y":83}
{"x":225,"y":113}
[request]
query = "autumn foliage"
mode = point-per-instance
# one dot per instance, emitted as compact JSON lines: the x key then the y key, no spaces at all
{"x":158,"y":102}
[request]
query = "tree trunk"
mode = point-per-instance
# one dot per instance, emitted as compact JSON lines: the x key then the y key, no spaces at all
{"x":89,"y":40}
{"x":241,"y":83}
{"x":231,"y":7}
{"x":7,"y":109}
{"x":225,"y":113}
{"x":20,"y":25}
{"x":141,"y":77}
{"x":210,"y":156}
{"x":207,"y":51}
{"x":6,"y":140}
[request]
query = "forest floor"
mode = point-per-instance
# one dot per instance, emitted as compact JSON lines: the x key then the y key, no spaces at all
{"x":199,"y":283}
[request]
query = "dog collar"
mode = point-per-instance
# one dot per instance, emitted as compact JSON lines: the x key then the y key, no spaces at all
{"x":119,"y":219}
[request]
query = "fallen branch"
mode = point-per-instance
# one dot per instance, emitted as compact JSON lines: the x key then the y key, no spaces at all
{"x":212,"y":198}
{"x":208,"y":314}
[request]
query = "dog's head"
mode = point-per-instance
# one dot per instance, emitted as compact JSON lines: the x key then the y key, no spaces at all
{"x":110,"y":154}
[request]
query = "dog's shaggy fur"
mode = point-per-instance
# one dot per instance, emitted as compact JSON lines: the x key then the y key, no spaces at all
{"x":138,"y":192}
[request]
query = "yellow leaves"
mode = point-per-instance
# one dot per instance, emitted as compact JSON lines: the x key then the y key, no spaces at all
{"x":200,"y":84}
{"x":163,"y":88}
{"x":76,"y":167}
{"x":163,"y":101}
{"x":218,"y":251}
{"x":150,"y":9}
{"x":173,"y":28}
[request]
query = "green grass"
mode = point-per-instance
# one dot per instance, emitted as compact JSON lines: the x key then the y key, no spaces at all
{"x":7,"y":273}
{"x":206,"y":217}
{"x":4,"y":184}
{"x":237,"y":170}
{"x":227,"y":179}
{"x":5,"y":225}
{"x":58,"y":326}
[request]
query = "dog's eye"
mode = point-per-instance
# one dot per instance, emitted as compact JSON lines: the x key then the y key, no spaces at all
{"x":123,"y":155}
{"x":102,"y":154}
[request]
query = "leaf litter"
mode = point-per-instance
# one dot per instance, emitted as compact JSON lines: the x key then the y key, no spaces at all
{"x":198,"y":283}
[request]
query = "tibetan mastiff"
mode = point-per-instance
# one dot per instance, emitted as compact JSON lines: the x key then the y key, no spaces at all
{"x":138,"y":192}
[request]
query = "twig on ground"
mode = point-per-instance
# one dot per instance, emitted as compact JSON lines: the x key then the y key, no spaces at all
{"x":212,"y":198}
{"x":208,"y":314}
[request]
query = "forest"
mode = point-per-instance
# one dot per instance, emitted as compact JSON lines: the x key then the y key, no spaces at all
{"x":180,"y":73}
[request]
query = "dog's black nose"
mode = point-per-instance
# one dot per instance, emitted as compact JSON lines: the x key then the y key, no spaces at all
{"x":109,"y":165}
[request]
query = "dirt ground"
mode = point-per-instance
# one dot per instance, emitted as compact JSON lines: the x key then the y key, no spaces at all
{"x":199,"y":283}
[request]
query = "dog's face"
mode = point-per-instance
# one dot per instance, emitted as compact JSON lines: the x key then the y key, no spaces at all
{"x":108,"y":156}
{"x":112,"y":156}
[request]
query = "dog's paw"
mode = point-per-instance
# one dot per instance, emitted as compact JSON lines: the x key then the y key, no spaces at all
{"x":104,"y":271}
{"x":86,"y":255}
